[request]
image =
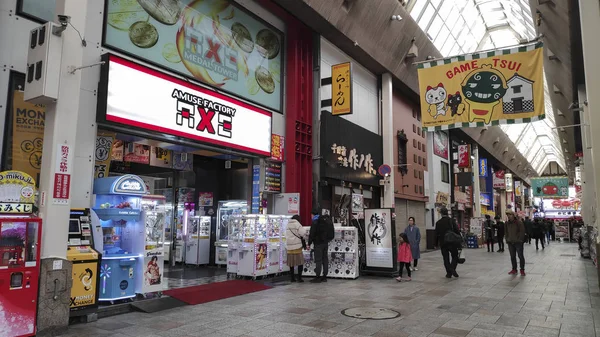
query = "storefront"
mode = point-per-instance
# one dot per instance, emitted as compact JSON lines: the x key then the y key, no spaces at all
{"x":349,"y":178}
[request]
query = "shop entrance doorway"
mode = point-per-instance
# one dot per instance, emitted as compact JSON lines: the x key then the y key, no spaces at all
{"x":190,"y":185}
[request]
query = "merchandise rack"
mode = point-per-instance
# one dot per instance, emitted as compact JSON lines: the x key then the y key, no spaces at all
{"x":343,"y":255}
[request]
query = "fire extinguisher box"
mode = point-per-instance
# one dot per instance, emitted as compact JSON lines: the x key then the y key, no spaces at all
{"x":19,"y":275}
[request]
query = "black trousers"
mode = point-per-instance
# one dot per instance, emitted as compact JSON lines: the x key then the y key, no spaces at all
{"x":321,"y":259}
{"x":489,"y":242}
{"x":501,"y":243}
{"x":450,"y":265}
{"x":514,"y":249}
{"x":539,"y":240}
{"x":300,"y":268}
{"x":401,"y":266}
{"x":415,"y":263}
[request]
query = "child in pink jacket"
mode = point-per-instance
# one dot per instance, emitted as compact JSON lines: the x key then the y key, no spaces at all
{"x":404,"y":256}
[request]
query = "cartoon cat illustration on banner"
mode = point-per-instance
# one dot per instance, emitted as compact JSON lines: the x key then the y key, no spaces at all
{"x":483,"y":89}
{"x":436,"y":97}
{"x":455,"y":102}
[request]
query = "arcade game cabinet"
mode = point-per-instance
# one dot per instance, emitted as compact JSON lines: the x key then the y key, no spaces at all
{"x":86,"y":264}
{"x":19,"y":275}
{"x":118,"y":205}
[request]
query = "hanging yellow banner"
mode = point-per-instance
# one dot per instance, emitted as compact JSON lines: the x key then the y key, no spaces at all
{"x":102,"y":154}
{"x":341,"y":89}
{"x":489,"y":88}
{"x":27,"y":135}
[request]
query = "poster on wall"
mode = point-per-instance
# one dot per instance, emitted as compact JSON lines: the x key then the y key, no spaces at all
{"x":117,"y":151}
{"x":83,"y":290}
{"x":136,"y":153}
{"x":153,"y":273}
{"x":212,"y":41}
{"x":183,"y":161}
{"x":27,"y":135}
{"x":499,"y":181}
{"x":179,"y":108}
{"x":104,"y":144}
{"x":205,"y":199}
{"x":550,"y":187}
{"x":255,"y":189}
{"x":490,"y":88}
{"x":440,"y":144}
{"x":518,"y":188}
{"x":379,"y":240}
{"x":160,"y":157}
{"x":464,"y":156}
{"x":273,"y":177}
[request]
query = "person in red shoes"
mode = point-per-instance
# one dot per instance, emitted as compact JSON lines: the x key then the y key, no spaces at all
{"x":515,"y":238}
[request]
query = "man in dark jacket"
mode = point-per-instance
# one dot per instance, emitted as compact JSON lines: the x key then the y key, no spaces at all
{"x":515,"y":237}
{"x":490,"y":229}
{"x":528,"y":229}
{"x":321,"y":232}
{"x":538,"y":233}
{"x":500,"y":227}
{"x":443,"y":226}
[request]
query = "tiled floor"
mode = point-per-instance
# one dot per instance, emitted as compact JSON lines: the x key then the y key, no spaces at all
{"x":558,"y":297}
{"x":189,"y":276}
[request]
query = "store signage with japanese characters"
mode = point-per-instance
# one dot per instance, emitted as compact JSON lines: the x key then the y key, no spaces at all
{"x":509,"y":182}
{"x":277,"y":142}
{"x":499,"y":181}
{"x":179,"y":108}
{"x":464,"y":156}
{"x":483,"y":167}
{"x":62,"y":175}
{"x":351,"y":153}
{"x":341,"y":89}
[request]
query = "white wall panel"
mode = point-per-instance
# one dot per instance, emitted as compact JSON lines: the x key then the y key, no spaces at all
{"x":365,"y":106}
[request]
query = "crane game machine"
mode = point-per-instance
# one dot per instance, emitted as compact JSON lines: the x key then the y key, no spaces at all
{"x":118,"y":206}
{"x":86,"y":264}
{"x":20,"y":236}
{"x":150,"y":270}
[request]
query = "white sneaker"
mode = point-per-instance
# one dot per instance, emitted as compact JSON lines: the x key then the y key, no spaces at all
{"x":415,"y":269}
{"x":412,"y":269}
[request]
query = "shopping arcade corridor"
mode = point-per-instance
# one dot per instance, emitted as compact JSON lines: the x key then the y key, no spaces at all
{"x":558,"y":297}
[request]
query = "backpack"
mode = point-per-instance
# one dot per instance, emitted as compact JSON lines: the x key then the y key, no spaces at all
{"x":326,"y":224}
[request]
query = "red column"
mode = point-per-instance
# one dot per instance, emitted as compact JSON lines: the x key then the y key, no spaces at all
{"x":298,"y":109}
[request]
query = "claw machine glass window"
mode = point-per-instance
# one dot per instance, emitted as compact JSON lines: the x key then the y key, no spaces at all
{"x":253,"y":252}
{"x":227,"y":209}
{"x":198,"y":240}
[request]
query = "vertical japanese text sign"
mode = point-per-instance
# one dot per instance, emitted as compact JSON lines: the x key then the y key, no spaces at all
{"x":341,"y":89}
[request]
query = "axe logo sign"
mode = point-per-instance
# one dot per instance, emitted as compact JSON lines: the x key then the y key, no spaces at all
{"x":199,"y":113}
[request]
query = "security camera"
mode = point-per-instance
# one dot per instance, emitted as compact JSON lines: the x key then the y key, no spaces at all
{"x":64,"y":22}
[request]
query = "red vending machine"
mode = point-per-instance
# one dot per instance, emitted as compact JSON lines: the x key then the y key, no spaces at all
{"x":19,"y":275}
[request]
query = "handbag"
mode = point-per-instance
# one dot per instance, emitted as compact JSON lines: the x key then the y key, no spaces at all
{"x":452,"y":238}
{"x":461,"y":256}
{"x":301,"y":240}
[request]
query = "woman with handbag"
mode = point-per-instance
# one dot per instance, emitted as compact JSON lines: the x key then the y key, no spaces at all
{"x":295,"y":243}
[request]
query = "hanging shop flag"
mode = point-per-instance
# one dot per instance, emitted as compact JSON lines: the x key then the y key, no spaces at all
{"x":550,"y":187}
{"x":213,"y":41}
{"x":104,"y":145}
{"x":440,"y":144}
{"x":27,"y":135}
{"x":341,"y":89}
{"x":464,"y":156}
{"x":277,"y":142}
{"x":508,"y":177}
{"x":487,"y":88}
{"x":483,"y":167}
{"x":518,"y":188}
{"x":499,"y":181}
{"x":485,"y":199}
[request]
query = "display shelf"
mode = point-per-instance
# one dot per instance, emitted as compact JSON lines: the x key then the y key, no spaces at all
{"x":343,"y":255}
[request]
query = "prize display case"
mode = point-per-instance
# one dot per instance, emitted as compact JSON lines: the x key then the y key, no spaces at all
{"x":343,"y":255}
{"x":118,"y":205}
{"x":227,"y":209}
{"x":150,"y":271}
{"x":257,"y":245}
{"x":198,"y":240}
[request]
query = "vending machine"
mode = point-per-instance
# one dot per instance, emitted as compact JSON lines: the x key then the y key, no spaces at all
{"x":118,"y":206}
{"x":19,"y":274}
{"x":150,"y":270}
{"x":226,"y":210}
{"x":86,"y":264}
{"x":198,"y":240}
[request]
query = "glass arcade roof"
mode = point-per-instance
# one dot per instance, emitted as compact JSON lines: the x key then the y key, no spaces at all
{"x":465,"y":26}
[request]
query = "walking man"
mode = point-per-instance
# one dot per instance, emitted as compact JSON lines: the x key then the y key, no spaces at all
{"x":501,"y":230}
{"x":528,"y":229}
{"x":321,"y":232}
{"x":443,"y":226}
{"x":515,"y":237}
{"x":538,"y":233}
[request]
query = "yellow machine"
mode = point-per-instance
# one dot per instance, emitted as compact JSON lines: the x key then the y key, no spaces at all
{"x":86,"y":264}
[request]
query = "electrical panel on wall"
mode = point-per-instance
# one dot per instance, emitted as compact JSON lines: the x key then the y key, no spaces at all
{"x":43,"y":64}
{"x":343,"y":255}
